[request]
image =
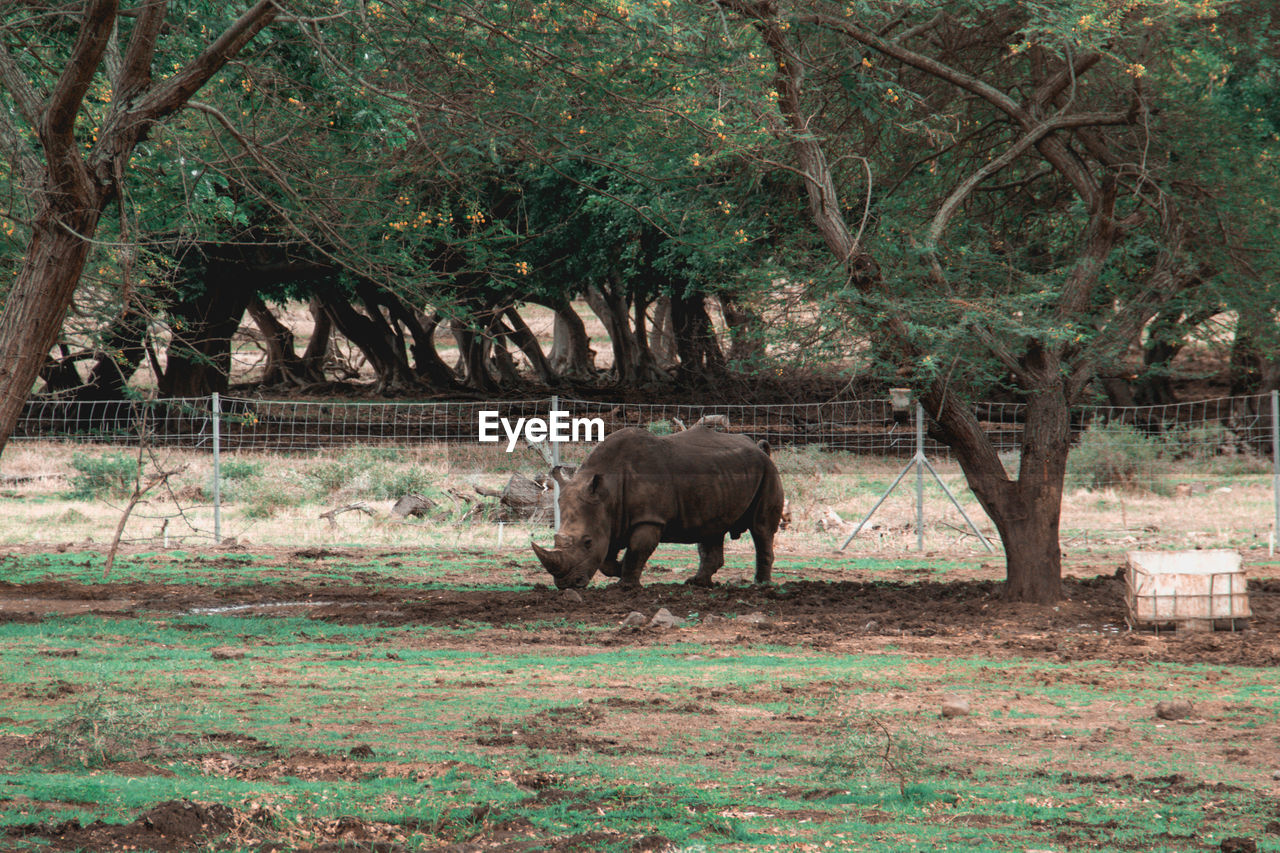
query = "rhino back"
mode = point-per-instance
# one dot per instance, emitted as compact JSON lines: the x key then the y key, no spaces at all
{"x":695,"y":484}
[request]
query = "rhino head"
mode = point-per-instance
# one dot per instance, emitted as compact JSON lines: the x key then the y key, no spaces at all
{"x":582,"y":542}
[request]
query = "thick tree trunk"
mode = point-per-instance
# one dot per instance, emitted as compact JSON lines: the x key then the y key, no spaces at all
{"x":662,"y":340}
{"x":503,"y":363}
{"x":123,"y":349}
{"x":473,"y":356}
{"x":60,"y":376}
{"x":700,"y":354}
{"x":317,"y":351}
{"x":426,"y":359}
{"x":199,"y":354}
{"x":646,"y":364}
{"x":743,"y":324}
{"x":1025,"y":511}
{"x":611,"y":308}
{"x":523,"y":337}
{"x":571,"y":353}
{"x":37,"y":304}
{"x":284,"y":365}
{"x":383,"y":351}
{"x":428,"y":367}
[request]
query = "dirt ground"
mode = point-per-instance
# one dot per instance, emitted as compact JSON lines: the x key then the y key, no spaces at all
{"x":962,"y":615}
{"x":924,"y":619}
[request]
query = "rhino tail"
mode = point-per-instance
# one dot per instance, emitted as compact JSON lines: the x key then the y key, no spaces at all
{"x":765,"y":446}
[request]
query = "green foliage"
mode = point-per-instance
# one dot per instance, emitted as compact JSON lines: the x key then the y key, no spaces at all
{"x":1114,"y":455}
{"x":662,"y":427}
{"x":372,"y":473}
{"x":240,"y":469}
{"x":262,"y":500}
{"x":866,"y":747}
{"x":97,"y":731}
{"x":110,"y":474}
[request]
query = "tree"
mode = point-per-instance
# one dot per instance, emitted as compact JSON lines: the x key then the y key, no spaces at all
{"x":964,"y":285}
{"x":69,"y":186}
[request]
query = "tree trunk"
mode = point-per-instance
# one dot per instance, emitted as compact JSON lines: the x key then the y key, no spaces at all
{"x":662,"y":341}
{"x":1025,"y":511}
{"x":317,"y":351}
{"x":744,"y":326}
{"x":38,"y":302}
{"x":284,"y":365}
{"x":371,"y":336}
{"x":571,"y":353}
{"x":523,"y":337}
{"x":647,"y":369}
{"x":60,"y":376}
{"x":428,"y":367}
{"x":700,"y":356}
{"x":609,"y":306}
{"x":426,"y":360}
{"x":473,"y":358}
{"x":199,"y":354}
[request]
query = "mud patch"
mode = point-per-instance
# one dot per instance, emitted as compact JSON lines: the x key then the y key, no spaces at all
{"x":175,"y":825}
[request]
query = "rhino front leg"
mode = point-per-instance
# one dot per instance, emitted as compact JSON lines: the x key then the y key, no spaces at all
{"x":611,"y":568}
{"x":643,"y":540}
{"x":710,"y":559}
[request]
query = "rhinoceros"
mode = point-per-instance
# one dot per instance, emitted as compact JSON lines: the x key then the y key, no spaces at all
{"x":637,"y":489}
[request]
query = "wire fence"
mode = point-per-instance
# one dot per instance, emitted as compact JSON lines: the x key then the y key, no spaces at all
{"x":353,"y":451}
{"x":1227,"y":424}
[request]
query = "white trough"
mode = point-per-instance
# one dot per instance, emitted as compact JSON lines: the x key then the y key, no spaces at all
{"x":1191,"y":589}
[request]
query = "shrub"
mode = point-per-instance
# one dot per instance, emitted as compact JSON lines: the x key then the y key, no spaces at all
{"x":109,"y":474}
{"x":240,"y":469}
{"x":331,"y":475}
{"x":1114,"y":454}
{"x":98,"y":731}
{"x":660,"y":427}
{"x":388,"y":482}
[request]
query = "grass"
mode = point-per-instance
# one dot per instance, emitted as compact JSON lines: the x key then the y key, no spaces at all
{"x":278,"y":499}
{"x":713,"y":747}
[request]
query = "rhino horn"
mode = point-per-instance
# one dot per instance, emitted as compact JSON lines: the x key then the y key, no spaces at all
{"x":552,"y":561}
{"x":562,"y":474}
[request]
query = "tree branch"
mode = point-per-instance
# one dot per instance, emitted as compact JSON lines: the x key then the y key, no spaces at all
{"x":174,"y":92}
{"x":1053,"y":150}
{"x":17,"y":84}
{"x":135,"y":69}
{"x":58,"y":122}
{"x":966,"y":187}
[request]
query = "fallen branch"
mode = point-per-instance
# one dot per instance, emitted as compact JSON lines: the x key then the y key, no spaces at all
{"x":359,"y":506}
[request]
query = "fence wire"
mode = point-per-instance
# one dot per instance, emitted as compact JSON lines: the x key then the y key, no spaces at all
{"x":1228,"y":424}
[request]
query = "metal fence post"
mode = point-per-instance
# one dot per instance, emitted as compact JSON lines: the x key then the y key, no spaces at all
{"x":919,"y":477}
{"x":216,"y":406}
{"x":555,"y":461}
{"x":1275,"y":465}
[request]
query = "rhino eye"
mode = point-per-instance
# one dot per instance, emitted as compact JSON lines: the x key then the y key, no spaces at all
{"x":586,"y":541}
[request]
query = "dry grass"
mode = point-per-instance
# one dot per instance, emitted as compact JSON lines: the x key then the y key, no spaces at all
{"x":277,"y":499}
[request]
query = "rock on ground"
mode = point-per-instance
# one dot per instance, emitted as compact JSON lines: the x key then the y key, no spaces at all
{"x":1174,"y":709}
{"x":664,"y":619}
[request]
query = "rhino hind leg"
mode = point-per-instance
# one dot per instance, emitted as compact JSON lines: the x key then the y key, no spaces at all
{"x":643,"y":540}
{"x":762,"y":535}
{"x":710,"y":559}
